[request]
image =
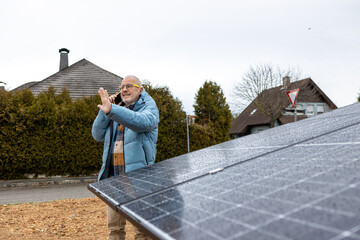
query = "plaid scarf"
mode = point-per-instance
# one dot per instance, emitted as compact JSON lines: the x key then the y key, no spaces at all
{"x":117,"y":165}
{"x":117,"y":157}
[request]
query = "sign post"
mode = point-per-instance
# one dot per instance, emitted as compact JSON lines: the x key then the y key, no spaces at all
{"x":187,"y":131}
{"x":292,"y":95}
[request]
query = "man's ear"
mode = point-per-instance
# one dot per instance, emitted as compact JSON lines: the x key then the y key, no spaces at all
{"x":141,"y":89}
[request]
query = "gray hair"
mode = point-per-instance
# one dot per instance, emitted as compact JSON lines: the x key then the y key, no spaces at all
{"x":138,"y":81}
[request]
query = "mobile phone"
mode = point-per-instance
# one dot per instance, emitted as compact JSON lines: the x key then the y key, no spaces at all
{"x":117,"y":99}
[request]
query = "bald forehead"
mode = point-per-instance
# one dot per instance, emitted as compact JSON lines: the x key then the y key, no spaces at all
{"x":132,"y":79}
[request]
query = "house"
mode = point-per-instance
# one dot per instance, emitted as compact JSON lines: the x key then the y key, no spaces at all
{"x":82,"y":78}
{"x":311,"y":101}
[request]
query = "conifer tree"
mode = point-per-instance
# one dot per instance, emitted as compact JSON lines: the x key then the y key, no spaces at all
{"x":212,"y":110}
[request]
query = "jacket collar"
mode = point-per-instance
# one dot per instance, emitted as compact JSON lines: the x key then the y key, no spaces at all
{"x":144,"y":97}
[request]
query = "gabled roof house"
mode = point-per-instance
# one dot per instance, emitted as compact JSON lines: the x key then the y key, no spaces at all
{"x":82,"y":78}
{"x":311,"y":101}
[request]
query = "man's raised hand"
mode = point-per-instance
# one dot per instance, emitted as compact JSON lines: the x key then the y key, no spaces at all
{"x":105,"y":105}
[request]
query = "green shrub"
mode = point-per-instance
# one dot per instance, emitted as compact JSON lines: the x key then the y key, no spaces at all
{"x":50,"y":134}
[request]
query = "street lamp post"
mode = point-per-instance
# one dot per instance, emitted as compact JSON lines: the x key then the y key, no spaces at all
{"x":187,"y":132}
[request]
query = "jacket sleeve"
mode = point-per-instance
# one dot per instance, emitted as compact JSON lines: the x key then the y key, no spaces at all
{"x":99,"y":126}
{"x":142,"y":121}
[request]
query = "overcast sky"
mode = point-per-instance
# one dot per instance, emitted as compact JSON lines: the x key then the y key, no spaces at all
{"x":182,"y":43}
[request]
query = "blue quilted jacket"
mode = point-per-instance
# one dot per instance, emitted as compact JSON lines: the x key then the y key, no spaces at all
{"x":140,"y":134}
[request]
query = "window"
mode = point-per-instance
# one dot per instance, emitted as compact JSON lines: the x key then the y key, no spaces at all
{"x":310,"y":110}
{"x":320,"y":109}
{"x":253,"y":111}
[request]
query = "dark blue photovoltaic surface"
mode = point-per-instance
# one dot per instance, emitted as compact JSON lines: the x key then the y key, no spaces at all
{"x":296,"y":181}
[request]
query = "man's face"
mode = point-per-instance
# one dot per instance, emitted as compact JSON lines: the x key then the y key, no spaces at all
{"x":130,"y":94}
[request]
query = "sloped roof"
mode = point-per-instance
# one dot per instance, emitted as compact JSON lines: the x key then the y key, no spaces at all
{"x":82,"y":78}
{"x":240,"y":124}
{"x":24,"y":86}
{"x":245,"y":119}
{"x":303,"y":96}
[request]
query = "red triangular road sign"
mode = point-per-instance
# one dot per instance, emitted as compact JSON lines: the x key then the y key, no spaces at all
{"x":292,"y":95}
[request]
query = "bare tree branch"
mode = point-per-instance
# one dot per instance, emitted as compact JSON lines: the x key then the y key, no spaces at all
{"x":258,"y":79}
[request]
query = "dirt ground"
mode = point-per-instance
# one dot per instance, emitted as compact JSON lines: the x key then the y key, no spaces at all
{"x":63,"y":219}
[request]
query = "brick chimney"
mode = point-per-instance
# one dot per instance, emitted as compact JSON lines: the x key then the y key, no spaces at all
{"x":286,"y":82}
{"x":64,"y":60}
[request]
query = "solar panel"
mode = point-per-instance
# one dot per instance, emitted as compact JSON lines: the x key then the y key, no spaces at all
{"x":296,"y":181}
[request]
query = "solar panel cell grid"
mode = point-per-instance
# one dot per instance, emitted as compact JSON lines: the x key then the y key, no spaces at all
{"x":302,"y":187}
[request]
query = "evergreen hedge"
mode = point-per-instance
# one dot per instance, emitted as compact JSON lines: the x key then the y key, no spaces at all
{"x":51,"y":134}
{"x":47,"y":134}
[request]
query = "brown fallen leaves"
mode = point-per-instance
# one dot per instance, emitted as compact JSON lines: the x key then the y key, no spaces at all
{"x":63,"y":219}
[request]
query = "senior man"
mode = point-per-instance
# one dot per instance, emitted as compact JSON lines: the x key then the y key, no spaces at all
{"x":129,"y":131}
